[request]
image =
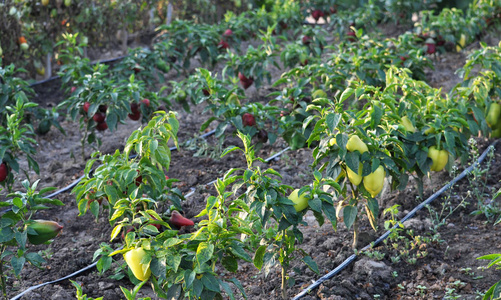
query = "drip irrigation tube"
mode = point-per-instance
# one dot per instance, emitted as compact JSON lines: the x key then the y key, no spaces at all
{"x":352,"y":258}
{"x":192,"y":191}
{"x":54,"y":281}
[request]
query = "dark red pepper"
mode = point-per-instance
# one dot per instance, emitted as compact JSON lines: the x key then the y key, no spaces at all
{"x":178,"y":220}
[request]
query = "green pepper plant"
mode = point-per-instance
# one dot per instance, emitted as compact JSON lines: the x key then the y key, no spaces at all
{"x":276,"y":213}
{"x":494,"y":292}
{"x":178,"y":265}
{"x":356,"y":150}
{"x":252,"y":68}
{"x":122,"y":183}
{"x":16,"y":139}
{"x":18,"y":227}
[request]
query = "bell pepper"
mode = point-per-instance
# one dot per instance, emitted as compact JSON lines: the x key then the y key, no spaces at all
{"x":4,"y":171}
{"x":355,"y":143}
{"x":374,"y":182}
{"x":133,"y":259}
{"x":493,"y":114}
{"x":406,"y":122}
{"x":355,"y":178}
{"x":40,"y":231}
{"x":439,"y":158}
{"x":300,"y":202}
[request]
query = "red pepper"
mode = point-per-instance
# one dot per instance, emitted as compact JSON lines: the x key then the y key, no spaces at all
{"x":179,"y":221}
{"x":4,"y":171}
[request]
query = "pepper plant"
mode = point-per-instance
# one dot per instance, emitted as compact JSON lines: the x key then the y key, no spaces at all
{"x":252,"y":68}
{"x":494,"y":292}
{"x":355,"y":154}
{"x":123,"y":183}
{"x":16,"y":139}
{"x":228,"y":111}
{"x":267,"y":199}
{"x":407,"y":128}
{"x":180,"y":265}
{"x":17,"y":229}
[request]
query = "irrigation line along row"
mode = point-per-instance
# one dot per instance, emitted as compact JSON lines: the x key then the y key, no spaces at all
{"x":54,"y":281}
{"x":192,"y":191}
{"x":387,"y":233}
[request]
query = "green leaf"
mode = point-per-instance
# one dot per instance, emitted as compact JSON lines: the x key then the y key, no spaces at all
{"x":229,"y":149}
{"x":332,"y":120}
{"x":311,"y":264}
{"x":17,"y":264}
{"x":227,"y":289}
{"x":259,"y":257}
{"x":173,"y":260}
{"x":189,"y":277}
{"x":352,"y":161}
{"x":330,"y":212}
{"x":104,"y":263}
{"x":230,"y":263}
{"x":204,"y":252}
{"x":127,"y":293}
{"x":210,"y":282}
{"x":349,"y":215}
{"x":315,"y":204}
{"x":346,"y":94}
{"x":6,"y":234}
{"x":239,"y":251}
{"x":35,"y":258}
{"x":239,"y":286}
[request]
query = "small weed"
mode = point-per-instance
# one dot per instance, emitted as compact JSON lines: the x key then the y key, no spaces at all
{"x":439,"y":218}
{"x":46,"y":253}
{"x":450,"y":293}
{"x":421,"y":291}
{"x":395,"y":259}
{"x":406,"y":244}
{"x":486,"y":203}
{"x":467,"y":271}
{"x":374,"y":254}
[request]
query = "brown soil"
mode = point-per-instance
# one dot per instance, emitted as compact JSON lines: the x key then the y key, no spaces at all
{"x":451,"y":249}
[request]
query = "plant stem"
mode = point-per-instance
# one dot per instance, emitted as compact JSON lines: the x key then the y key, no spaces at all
{"x":355,"y":233}
{"x":284,"y":282}
{"x":2,"y":276}
{"x":83,"y":144}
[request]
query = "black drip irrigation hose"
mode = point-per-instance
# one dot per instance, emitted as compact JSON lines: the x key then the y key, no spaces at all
{"x":54,"y":281}
{"x":192,"y":191}
{"x":352,"y":258}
